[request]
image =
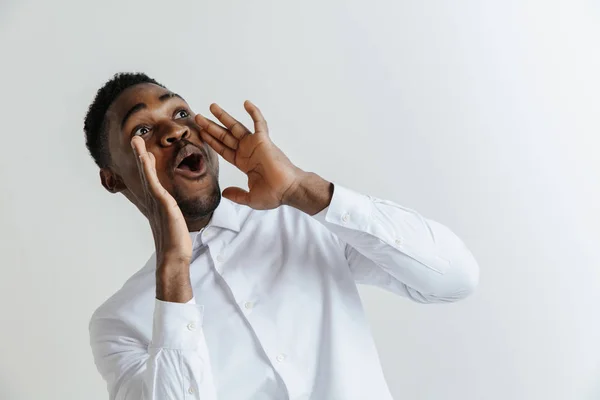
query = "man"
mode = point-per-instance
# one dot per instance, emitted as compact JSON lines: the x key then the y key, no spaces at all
{"x":253,"y":295}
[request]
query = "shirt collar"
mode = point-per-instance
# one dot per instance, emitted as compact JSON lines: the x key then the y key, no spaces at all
{"x":226,"y":216}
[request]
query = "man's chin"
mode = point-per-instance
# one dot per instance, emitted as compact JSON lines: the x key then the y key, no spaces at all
{"x":199,"y":206}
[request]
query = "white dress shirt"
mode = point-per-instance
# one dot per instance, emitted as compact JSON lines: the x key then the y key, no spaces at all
{"x":276,"y":312}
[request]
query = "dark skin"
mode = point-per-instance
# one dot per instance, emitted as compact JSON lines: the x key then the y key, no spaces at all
{"x":168,"y":126}
{"x":148,"y":126}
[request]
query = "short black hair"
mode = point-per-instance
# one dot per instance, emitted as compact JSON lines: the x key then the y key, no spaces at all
{"x":94,"y":125}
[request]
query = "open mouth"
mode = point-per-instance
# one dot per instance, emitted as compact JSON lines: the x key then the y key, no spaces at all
{"x":190,"y":162}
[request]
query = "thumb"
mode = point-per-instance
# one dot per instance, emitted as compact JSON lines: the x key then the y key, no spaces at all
{"x":237,"y":195}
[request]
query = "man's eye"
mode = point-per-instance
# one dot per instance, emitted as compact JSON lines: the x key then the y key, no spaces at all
{"x":181,"y":114}
{"x":142,"y":130}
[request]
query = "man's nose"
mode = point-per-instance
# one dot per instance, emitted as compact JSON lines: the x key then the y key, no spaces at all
{"x":173,"y":132}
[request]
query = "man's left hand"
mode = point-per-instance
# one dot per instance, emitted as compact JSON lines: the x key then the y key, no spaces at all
{"x":272,"y":177}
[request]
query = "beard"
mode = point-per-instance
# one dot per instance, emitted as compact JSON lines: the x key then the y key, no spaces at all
{"x":195,"y":208}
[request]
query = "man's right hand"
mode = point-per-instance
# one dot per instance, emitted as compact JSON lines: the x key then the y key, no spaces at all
{"x":170,"y":231}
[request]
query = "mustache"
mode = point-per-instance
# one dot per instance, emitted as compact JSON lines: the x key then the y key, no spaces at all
{"x":183,"y":143}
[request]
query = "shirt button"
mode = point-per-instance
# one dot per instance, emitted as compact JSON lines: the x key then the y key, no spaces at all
{"x":191,"y":390}
{"x":398,"y":242}
{"x":346,"y":217}
{"x":248,"y":305}
{"x":220,"y":258}
{"x":191,"y":326}
{"x":280,"y":357}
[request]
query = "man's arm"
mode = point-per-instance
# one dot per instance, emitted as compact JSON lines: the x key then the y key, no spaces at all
{"x":385,"y":244}
{"x":175,"y":365}
{"x":391,"y":246}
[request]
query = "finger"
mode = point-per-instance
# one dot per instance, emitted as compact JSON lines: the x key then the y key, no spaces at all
{"x":156,"y":188}
{"x":220,"y":133}
{"x":139,"y":147}
{"x":147,"y":168}
{"x":225,"y":152}
{"x":237,"y":195}
{"x":260,"y":124}
{"x":235,"y":127}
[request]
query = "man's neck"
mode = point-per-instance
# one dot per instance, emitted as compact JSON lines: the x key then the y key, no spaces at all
{"x":198,"y":224}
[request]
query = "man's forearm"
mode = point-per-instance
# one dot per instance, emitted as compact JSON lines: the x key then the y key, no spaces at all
{"x":173,"y":283}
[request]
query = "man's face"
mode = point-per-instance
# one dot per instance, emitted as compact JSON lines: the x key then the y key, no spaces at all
{"x":186,"y":166}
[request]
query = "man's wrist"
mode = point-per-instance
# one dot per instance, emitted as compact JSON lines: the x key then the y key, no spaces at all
{"x":311,"y":194}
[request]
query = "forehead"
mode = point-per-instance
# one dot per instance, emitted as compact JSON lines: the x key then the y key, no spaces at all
{"x":147,"y":93}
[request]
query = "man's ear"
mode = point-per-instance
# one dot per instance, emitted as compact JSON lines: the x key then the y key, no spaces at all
{"x":111,"y":181}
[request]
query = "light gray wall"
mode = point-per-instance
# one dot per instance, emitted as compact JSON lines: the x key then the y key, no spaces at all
{"x":481,"y":115}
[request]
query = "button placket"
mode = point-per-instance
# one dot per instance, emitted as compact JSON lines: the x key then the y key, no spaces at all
{"x":218,"y":256}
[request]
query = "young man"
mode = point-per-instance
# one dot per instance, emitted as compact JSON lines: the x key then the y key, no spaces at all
{"x":253,"y":295}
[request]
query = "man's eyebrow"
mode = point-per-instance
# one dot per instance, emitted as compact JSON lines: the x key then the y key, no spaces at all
{"x":141,"y":106}
{"x":132,"y":110}
{"x":168,"y":96}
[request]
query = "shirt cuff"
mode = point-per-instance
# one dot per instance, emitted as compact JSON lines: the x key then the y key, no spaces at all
{"x":347,"y":208}
{"x":177,"y":325}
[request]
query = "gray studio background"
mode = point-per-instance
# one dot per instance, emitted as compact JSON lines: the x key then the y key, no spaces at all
{"x":480,"y":115}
